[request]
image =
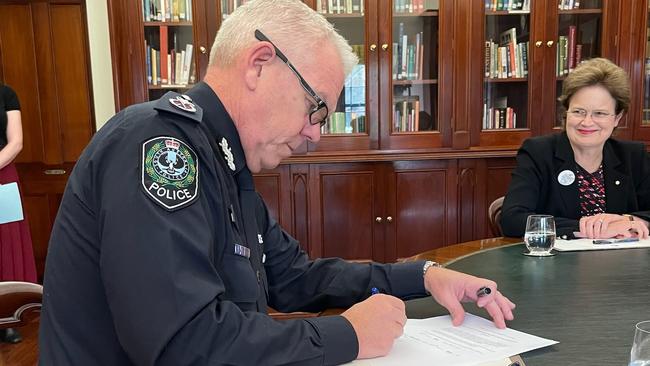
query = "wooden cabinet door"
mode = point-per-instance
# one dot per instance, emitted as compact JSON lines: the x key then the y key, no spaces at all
{"x":345,"y":211}
{"x":44,"y":57}
{"x":421,"y":207}
{"x":274,"y":187}
{"x":353,"y":124}
{"x":635,"y":38}
{"x":480,"y":181}
{"x":135,"y":31}
{"x":525,"y":55}
{"x":415,"y":65}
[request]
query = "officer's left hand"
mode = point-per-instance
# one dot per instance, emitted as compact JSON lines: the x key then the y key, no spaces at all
{"x":449,"y":288}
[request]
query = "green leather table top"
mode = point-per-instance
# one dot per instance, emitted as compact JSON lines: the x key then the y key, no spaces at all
{"x":588,"y":301}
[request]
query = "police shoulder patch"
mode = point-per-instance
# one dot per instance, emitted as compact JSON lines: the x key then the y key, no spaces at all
{"x":170,"y":172}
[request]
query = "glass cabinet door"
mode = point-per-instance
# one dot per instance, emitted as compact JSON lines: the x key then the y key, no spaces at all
{"x":506,"y":73}
{"x":645,"y":112}
{"x":414,"y":67}
{"x":349,"y":118}
{"x":580,"y":24}
{"x":169,"y":44}
{"x":410,"y":53}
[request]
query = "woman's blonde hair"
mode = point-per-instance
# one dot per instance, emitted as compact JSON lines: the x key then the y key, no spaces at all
{"x":598,"y":71}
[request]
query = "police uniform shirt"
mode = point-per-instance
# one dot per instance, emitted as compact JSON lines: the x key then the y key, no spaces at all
{"x":163,"y":253}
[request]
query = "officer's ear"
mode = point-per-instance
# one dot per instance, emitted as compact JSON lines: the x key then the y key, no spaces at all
{"x":257,"y":58}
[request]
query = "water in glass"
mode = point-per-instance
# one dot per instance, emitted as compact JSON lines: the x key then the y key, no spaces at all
{"x":539,"y":241}
{"x":540,"y":235}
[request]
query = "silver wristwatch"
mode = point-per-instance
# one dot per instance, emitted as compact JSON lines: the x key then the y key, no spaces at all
{"x":427,"y":265}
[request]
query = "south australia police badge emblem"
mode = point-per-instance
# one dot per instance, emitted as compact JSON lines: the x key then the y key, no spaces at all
{"x":170,"y":172}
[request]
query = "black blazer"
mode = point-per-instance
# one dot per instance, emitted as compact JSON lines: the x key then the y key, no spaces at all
{"x":535,"y":189}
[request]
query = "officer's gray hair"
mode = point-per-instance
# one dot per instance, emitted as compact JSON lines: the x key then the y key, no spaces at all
{"x":283,"y":21}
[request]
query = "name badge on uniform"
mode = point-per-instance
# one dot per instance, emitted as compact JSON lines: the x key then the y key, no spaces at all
{"x":242,"y":251}
{"x":566,"y":177}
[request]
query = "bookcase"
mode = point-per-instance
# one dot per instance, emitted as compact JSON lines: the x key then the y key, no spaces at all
{"x":530,"y":47}
{"x":390,"y":101}
{"x":169,"y":46}
{"x":425,"y":132}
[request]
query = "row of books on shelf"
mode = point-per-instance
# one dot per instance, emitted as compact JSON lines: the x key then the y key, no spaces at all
{"x":506,"y":59}
{"x":414,"y":6}
{"x":408,"y":56}
{"x":228,"y":6}
{"x":340,"y":6}
{"x":344,"y":122}
{"x":568,"y":52}
{"x":509,"y":61}
{"x":406,"y":115}
{"x":167,"y":10}
{"x":170,"y":69}
{"x":568,"y":4}
{"x":508,"y":5}
{"x":499,"y":118}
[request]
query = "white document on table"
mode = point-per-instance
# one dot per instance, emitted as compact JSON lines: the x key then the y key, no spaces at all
{"x":588,"y":244}
{"x":10,"y":207}
{"x":435,"y":341}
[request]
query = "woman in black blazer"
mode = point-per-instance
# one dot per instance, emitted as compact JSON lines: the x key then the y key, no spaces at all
{"x":593,"y":184}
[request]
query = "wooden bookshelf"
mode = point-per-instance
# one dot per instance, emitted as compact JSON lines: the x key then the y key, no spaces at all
{"x":433,"y":184}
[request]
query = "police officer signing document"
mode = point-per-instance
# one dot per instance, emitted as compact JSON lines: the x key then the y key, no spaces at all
{"x":162,"y":252}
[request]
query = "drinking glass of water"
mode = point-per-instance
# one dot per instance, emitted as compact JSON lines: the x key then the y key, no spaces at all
{"x":540,"y":235}
{"x":640,"y":354}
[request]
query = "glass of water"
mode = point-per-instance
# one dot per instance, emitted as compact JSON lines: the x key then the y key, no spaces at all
{"x":540,"y":235}
{"x":640,"y":354}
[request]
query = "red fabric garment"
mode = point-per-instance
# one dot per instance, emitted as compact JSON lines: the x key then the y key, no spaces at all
{"x":16,"y":252}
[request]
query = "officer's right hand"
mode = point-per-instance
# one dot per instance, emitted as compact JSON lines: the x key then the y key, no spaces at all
{"x":377,"y":321}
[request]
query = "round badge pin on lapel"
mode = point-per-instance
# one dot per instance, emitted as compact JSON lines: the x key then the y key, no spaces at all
{"x":566,"y":177}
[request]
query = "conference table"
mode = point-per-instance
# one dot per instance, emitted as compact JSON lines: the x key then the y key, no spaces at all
{"x":588,"y":301}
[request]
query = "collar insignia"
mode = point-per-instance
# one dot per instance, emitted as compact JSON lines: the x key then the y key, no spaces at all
{"x":227,"y":154}
{"x":183,"y":102}
{"x":259,"y":239}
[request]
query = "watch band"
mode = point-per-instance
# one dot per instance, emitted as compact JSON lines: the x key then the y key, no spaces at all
{"x":427,"y":265}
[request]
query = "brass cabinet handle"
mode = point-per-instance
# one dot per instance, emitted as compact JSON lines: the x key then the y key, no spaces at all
{"x":384,"y":46}
{"x":389,"y":218}
{"x":203,"y":50}
{"x":378,"y":219}
{"x":538,"y":44}
{"x":549,"y":44}
{"x":373,"y":47}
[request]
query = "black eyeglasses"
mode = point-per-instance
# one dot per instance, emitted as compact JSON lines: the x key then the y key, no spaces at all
{"x":318,"y":113}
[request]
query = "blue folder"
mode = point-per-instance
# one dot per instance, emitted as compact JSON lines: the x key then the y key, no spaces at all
{"x":10,"y":206}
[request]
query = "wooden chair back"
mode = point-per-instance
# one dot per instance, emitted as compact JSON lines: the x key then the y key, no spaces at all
{"x":494,"y":216}
{"x":19,"y":301}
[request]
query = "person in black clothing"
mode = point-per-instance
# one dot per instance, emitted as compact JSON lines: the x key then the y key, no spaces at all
{"x":16,"y":252}
{"x":594,"y":185}
{"x":163,"y":253}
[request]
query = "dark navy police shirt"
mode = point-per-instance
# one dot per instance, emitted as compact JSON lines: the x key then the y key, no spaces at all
{"x":162,"y":253}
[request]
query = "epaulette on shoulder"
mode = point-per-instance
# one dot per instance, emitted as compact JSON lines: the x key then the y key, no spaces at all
{"x":179,"y":104}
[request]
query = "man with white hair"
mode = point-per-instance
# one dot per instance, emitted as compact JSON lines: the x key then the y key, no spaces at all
{"x":163,"y":253}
